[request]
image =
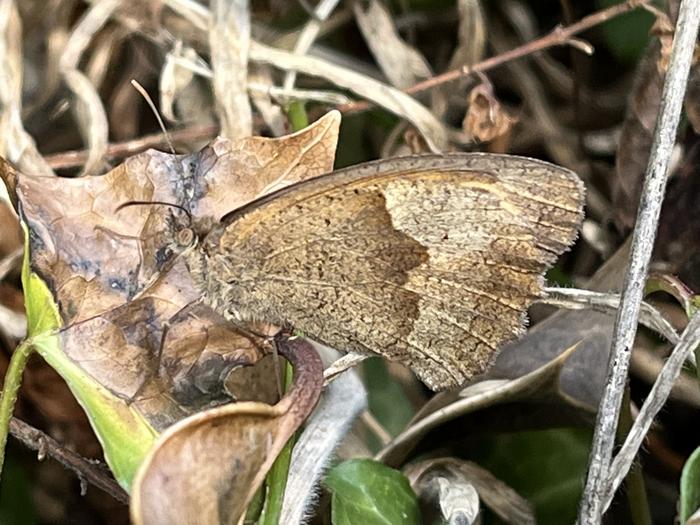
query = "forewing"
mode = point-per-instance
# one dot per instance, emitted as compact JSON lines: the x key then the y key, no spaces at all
{"x":430,"y":262}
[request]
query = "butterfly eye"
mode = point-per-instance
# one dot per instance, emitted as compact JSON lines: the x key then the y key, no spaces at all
{"x":185,"y":237}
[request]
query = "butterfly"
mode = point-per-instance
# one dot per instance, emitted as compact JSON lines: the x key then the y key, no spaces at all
{"x":430,"y":261}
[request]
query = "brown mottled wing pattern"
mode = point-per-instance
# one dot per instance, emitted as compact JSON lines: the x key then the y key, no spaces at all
{"x":430,"y":261}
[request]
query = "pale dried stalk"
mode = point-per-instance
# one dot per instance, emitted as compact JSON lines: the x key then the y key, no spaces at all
{"x":402,"y":64}
{"x":403,"y":105}
{"x":342,"y":364}
{"x":308,"y":35}
{"x":229,"y":40}
{"x":89,"y":111}
{"x":690,"y":339}
{"x":625,"y":328}
{"x":575,"y":299}
{"x":393,"y":100}
{"x":15,"y":143}
{"x":319,"y":95}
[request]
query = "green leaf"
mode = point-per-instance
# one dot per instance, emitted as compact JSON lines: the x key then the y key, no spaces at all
{"x":626,"y":35}
{"x":690,"y":486}
{"x":370,"y":493}
{"x":386,"y":398}
{"x":123,"y":432}
{"x":16,"y":505}
{"x":547,"y":467}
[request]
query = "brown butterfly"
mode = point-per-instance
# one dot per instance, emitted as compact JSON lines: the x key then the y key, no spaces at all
{"x":431,"y":261}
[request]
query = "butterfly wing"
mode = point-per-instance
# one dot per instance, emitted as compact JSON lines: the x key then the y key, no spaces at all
{"x":430,"y":261}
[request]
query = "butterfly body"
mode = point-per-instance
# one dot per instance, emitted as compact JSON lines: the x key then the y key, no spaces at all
{"x":431,"y":261}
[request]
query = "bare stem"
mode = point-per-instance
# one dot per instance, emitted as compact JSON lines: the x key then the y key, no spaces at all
{"x":93,"y":472}
{"x":71,"y":159}
{"x":8,"y":397}
{"x":653,"y":403}
{"x":559,"y":36}
{"x":625,"y":328}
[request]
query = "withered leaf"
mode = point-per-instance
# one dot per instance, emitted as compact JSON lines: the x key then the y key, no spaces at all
{"x":486,"y":119}
{"x":206,"y":468}
{"x":115,"y":274}
{"x":498,"y":496}
{"x":540,"y":384}
{"x":430,"y":261}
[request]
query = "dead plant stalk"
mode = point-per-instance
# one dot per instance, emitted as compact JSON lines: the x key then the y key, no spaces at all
{"x":625,"y":328}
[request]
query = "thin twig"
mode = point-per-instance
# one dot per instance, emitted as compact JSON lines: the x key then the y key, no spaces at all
{"x":90,"y":471}
{"x":374,"y":426}
{"x":575,"y":299}
{"x":557,"y":37}
{"x":690,"y":339}
{"x":71,"y":159}
{"x":643,"y":237}
{"x":342,"y":364}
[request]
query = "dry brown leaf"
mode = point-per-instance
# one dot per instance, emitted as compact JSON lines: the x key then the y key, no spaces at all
{"x":206,"y":468}
{"x":116,"y":275}
{"x":505,"y":502}
{"x":486,"y":119}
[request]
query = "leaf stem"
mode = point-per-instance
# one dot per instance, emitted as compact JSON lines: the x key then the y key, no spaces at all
{"x":277,"y":477}
{"x":296,"y":113}
{"x":13,"y":380}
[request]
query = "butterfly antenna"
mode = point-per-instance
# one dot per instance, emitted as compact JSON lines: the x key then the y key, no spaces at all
{"x":157,"y":203}
{"x":150,"y":103}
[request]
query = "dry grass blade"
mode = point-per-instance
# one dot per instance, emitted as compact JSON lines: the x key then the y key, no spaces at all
{"x":689,"y":341}
{"x":89,"y":111}
{"x":174,"y":77}
{"x":309,"y":34}
{"x":260,"y":85}
{"x":402,"y":64}
{"x":399,"y":103}
{"x":472,"y":34}
{"x":15,"y":143}
{"x":471,"y":46}
{"x":576,"y":299}
{"x":229,"y":39}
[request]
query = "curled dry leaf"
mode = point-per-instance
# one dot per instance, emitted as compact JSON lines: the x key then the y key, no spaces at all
{"x":542,"y":383}
{"x":121,"y":289}
{"x":206,"y":468}
{"x":486,"y":119}
{"x":89,"y":111}
{"x":498,"y":496}
{"x":15,"y":143}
